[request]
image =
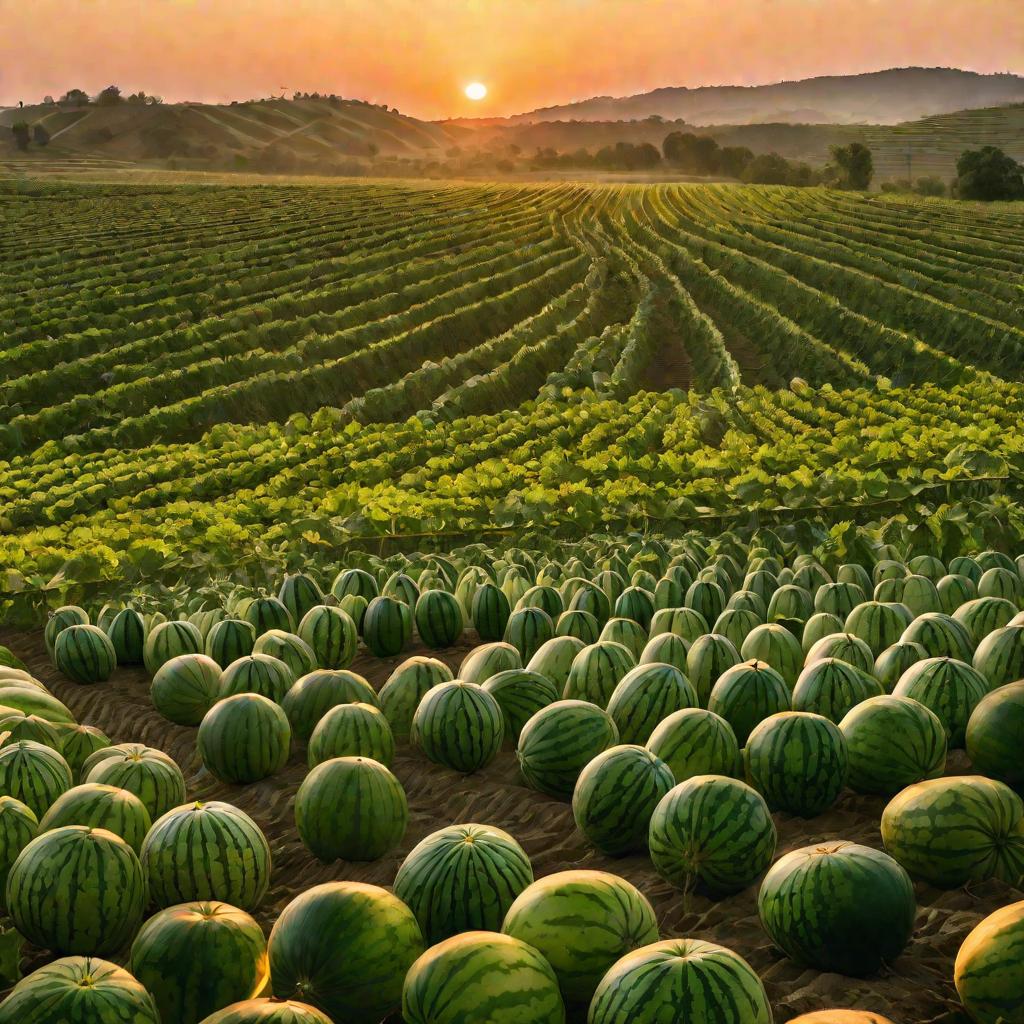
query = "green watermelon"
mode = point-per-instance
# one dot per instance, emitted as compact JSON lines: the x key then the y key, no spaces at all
{"x":169,"y":639}
{"x":559,"y":741}
{"x":838,"y":599}
{"x":373,"y":938}
{"x":842,"y":647}
{"x":286,"y":647}
{"x":402,"y":588}
{"x":268,"y":1011}
{"x":488,"y":660}
{"x":31,"y":698}
{"x":490,"y":612}
{"x":439,"y":618}
{"x":299,"y":593}
{"x":736,"y":624}
{"x":645,"y":696}
{"x":100,"y":806}
{"x":888,"y":569}
{"x":685,"y":623}
{"x":707,"y":598}
{"x":520,"y":694}
{"x":331,"y":635}
{"x":244,"y":738}
{"x":954,"y":591}
{"x":257,"y":673}
{"x":357,"y":582}
{"x":989,"y":969}
{"x":1000,"y":656}
{"x":669,"y":593}
{"x":316,"y":693}
{"x":458,"y":725}
{"x":265,"y":613}
{"x":708,"y":657}
{"x":596,"y":671}
{"x":798,"y":762}
{"x":481,"y":978}
{"x":77,"y":890}
{"x":994,"y":733}
{"x":763,"y":583}
{"x":34,"y":774}
{"x":355,"y":607}
{"x":78,"y":742}
{"x":546,"y":598}
{"x":589,"y":598}
{"x":528,"y":629}
{"x":831,"y":687}
{"x":579,"y":624}
{"x":748,"y":601}
{"x":69,"y":615}
{"x":626,"y":632}
{"x":681,"y":979}
{"x":1001,"y":581}
{"x":19,"y":726}
{"x":554,"y":659}
{"x":581,"y":922}
{"x":941,"y":636}
{"x":747,"y":694}
{"x":666,"y":649}
{"x":949,"y":688}
{"x":352,"y":730}
{"x":18,"y":826}
{"x":695,"y":742}
{"x":9,"y":660}
{"x":851,"y":572}
{"x":967,"y":566}
{"x":712,"y":830}
{"x":878,"y":623}
{"x":894,"y":661}
{"x":147,"y":773}
{"x":790,"y":602}
{"x":387,"y":626}
{"x":615,"y":797}
{"x":636,"y":604}
{"x":185,"y":688}
{"x":79,"y":989}
{"x":462,"y":878}
{"x":206,"y":851}
{"x":229,"y":640}
{"x":776,"y":646}
{"x":838,"y":907}
{"x":985,"y":614}
{"x":84,"y":654}
{"x":892,"y":742}
{"x":404,"y":689}
{"x":981,"y":834}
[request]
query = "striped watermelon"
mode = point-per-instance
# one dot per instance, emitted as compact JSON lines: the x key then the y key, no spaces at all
{"x":589,"y":598}
{"x":77,"y":890}
{"x":949,"y":688}
{"x":928,"y":566}
{"x":554,"y":659}
{"x":520,"y":694}
{"x":985,"y":614}
{"x":851,"y":572}
{"x":941,"y":636}
{"x":206,"y":851}
{"x":169,"y":639}
{"x":581,"y":922}
{"x":920,"y":595}
{"x":373,"y":938}
{"x":878,"y":623}
{"x":387,"y":626}
{"x":819,"y":625}
{"x":357,"y":582}
{"x":148,"y":773}
{"x":1001,"y":581}
{"x":100,"y":806}
{"x":798,"y":762}
{"x":185,"y":688}
{"x":265,"y":613}
{"x":763,"y":583}
{"x":636,"y":604}
{"x":402,"y":588}
{"x":954,"y":591}
{"x":244,"y":738}
{"x":888,"y":569}
{"x":967,"y":566}
{"x":559,"y":741}
{"x":776,"y":646}
{"x":894,"y":661}
{"x":127,"y":632}
{"x":76,"y":988}
{"x":34,"y":774}
{"x":612,"y":582}
{"x":115,"y":750}
{"x":626,"y":632}
{"x":268,"y":1011}
{"x":490,"y":612}
{"x":736,"y":624}
{"x":645,"y":696}
{"x":596,"y":671}
{"x":299,"y":593}
{"x":351,"y":808}
{"x":78,"y":742}
{"x":790,"y":602}
{"x":352,"y":730}
{"x":439,"y":619}
{"x":488,"y":660}
{"x":229,"y":640}
{"x":685,"y":623}
{"x":994,"y":734}
{"x":480,"y":978}
{"x":892,"y":742}
{"x":844,"y":647}
{"x":665,"y":649}
{"x":331,"y":635}
{"x":669,"y":593}
{"x":615,"y":797}
{"x":712,"y":830}
{"x":31,"y":698}
{"x":838,"y":907}
{"x":528,"y":629}
{"x":831,"y":688}
{"x":579,"y":624}
{"x":696,"y":742}
{"x":708,"y":657}
{"x":989,"y":969}
{"x":404,"y":689}
{"x":993,"y":560}
{"x":287,"y":647}
{"x":838,"y":598}
{"x":84,"y":654}
{"x":197,"y":958}
{"x":462,"y":878}
{"x":18,"y":826}
{"x":706,"y":598}
{"x":982,"y":837}
{"x":316,"y":693}
{"x":257,"y":673}
{"x":748,"y":601}
{"x":680,"y":979}
{"x":747,"y":694}
{"x":546,"y":598}
{"x":355,"y":607}
{"x":458,"y":725}
{"x":19,"y":726}
{"x":1000,"y":656}
{"x":69,"y":615}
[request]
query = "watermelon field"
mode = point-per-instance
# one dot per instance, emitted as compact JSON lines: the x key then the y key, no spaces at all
{"x":456,"y":603}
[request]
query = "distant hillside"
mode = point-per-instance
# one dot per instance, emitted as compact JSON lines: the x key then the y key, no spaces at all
{"x":881,"y":97}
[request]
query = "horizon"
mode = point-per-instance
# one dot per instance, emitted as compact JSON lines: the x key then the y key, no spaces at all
{"x":214,"y":51}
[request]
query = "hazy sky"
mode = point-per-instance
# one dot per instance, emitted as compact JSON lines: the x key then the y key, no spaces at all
{"x":419,"y":54}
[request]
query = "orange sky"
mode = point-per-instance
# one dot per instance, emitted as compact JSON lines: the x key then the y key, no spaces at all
{"x":419,"y":54}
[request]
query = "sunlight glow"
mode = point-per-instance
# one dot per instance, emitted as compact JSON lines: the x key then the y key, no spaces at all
{"x":476,"y":90}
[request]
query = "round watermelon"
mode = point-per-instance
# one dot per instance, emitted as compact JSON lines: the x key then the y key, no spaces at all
{"x":404,"y":689}
{"x":527,"y":630}
{"x":554,"y":659}
{"x":265,"y":613}
{"x":708,"y":657}
{"x":776,"y":646}
{"x":148,"y":773}
{"x":69,"y":615}
{"x":402,"y":587}
{"x":299,"y":592}
{"x":894,"y":661}
{"x":842,"y":647}
{"x":229,"y":640}
{"x":790,"y":602}
{"x":520,"y":694}
{"x":257,"y":673}
{"x":458,"y":725}
{"x":587,"y":597}
{"x":244,"y":738}
{"x":941,"y":636}
{"x":84,"y":654}
{"x":34,"y":774}
{"x":696,"y":742}
{"x":387,"y":626}
{"x":685,"y":623}
{"x":490,"y":612}
{"x":318,"y":692}
{"x":838,"y":598}
{"x":169,"y":639}
{"x":352,"y":730}
{"x":268,"y":1011}
{"x":830,"y":687}
{"x":78,"y":743}
{"x":488,"y":660}
{"x":357,"y":582}
{"x":439,"y":619}
{"x":1000,"y":656}
{"x":989,"y":969}
{"x":287,"y":647}
{"x":185,"y":688}
{"x":985,"y":614}
{"x":127,"y":632}
{"x":951,"y":689}
{"x":331,"y":635}
{"x":19,"y":726}
{"x":667,"y":649}
{"x":626,"y":632}
{"x":878,"y":623}
{"x":994,"y":734}
{"x":954,"y":591}
{"x":596,"y":671}
{"x":100,"y":806}
{"x":579,"y":624}
{"x":18,"y":827}
{"x":645,"y":696}
{"x":747,"y":694}
{"x":735,"y":625}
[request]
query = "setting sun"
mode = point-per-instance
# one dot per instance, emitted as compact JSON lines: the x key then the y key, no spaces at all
{"x":476,"y":90}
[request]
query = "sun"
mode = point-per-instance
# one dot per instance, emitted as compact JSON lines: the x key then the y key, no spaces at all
{"x":476,"y":91}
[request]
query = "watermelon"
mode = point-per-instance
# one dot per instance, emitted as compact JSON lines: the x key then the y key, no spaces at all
{"x":31,"y":698}
{"x":439,"y":618}
{"x":257,"y":673}
{"x":967,"y":566}
{"x":894,"y":661}
{"x":268,"y":1011}
{"x":685,"y":623}
{"x":596,"y":671}
{"x":9,"y":660}
{"x":748,"y":601}
{"x":355,"y":607}
{"x":1000,"y":656}
{"x":888,"y":569}
{"x":77,"y":890}
{"x":838,"y":907}
{"x":84,"y":654}
{"x":265,"y":613}
{"x":244,"y":738}
{"x":206,"y":851}
{"x":790,"y":602}
{"x":708,"y":657}
{"x":995,"y":560}
{"x":352,"y":730}
{"x":528,"y":629}
{"x":488,"y":660}
{"x":18,"y":827}
{"x":981,"y":834}
{"x":831,"y":687}
{"x":185,"y":688}
{"x":1000,"y":581}
{"x":776,"y":646}
{"x":878,"y":623}
{"x":851,"y":572}
{"x":589,"y":598}
{"x":462,"y":878}
{"x":229,"y":640}
{"x":490,"y":612}
{"x":513,"y":585}
{"x":994,"y":734}
{"x":169,"y":639}
{"x":626,"y":632}
{"x":79,"y":742}
{"x":481,"y":978}
{"x":920,"y":595}
{"x":665,"y":649}
{"x":747,"y":694}
{"x":559,"y":741}
{"x":636,"y":604}
{"x":669,"y":593}
{"x":645,"y":696}
{"x":707,"y":598}
{"x":681,"y":979}
{"x":79,"y":989}
{"x":197,"y":958}
{"x":148,"y":773}
{"x":695,"y":742}
{"x":736,"y":624}
{"x":115,"y":750}
{"x":371,"y":939}
{"x":941,"y":636}
{"x":985,"y":614}
{"x":546,"y":598}
{"x":892,"y":742}
{"x":838,"y":598}
{"x":843,"y":647}
{"x":286,"y":647}
{"x":299,"y":592}
{"x":402,"y":588}
{"x":34,"y":774}
{"x":19,"y":726}
{"x":579,"y":624}
{"x":954,"y":591}
{"x":317,"y":692}
{"x":520,"y":694}
{"x":615,"y":797}
{"x":387,"y":626}
{"x":989,"y":969}
{"x":581,"y":922}
{"x":404,"y":689}
{"x":949,"y":688}
{"x":763,"y":583}
{"x":100,"y":806}
{"x":554,"y":659}
{"x":357,"y":582}
{"x":351,"y":808}
{"x":840,"y":1017}
{"x":331,"y":635}
{"x":928,"y":566}
{"x":711,"y":830}
{"x":798,"y":762}
{"x":69,"y":615}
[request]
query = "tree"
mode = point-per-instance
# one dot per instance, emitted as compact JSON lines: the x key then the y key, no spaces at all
{"x":854,"y":166}
{"x":695,"y":154}
{"x":734,"y":160}
{"x":768,"y":169}
{"x":40,"y":136}
{"x":22,"y":134}
{"x":110,"y":97}
{"x":930,"y":186}
{"x":988,"y":174}
{"x":79,"y":97}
